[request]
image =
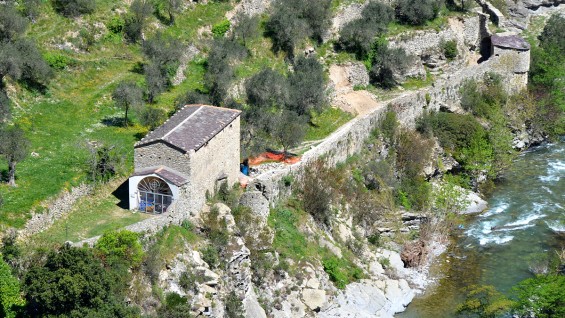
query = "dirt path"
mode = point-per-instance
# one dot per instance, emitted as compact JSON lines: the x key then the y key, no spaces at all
{"x":358,"y":102}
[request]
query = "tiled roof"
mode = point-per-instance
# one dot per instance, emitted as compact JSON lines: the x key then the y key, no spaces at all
{"x":191,"y":127}
{"x":166,"y":173}
{"x":510,"y":42}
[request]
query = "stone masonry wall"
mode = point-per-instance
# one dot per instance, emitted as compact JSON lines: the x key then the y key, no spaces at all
{"x":220,"y":157}
{"x":158,"y":154}
{"x":349,"y":139}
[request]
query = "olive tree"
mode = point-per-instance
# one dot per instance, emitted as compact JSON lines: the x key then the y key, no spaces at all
{"x":73,"y":8}
{"x":14,"y":148}
{"x":417,"y":12}
{"x":12,"y":25}
{"x":358,"y":35}
{"x":307,"y":86}
{"x":127,"y":95}
{"x":136,"y":19}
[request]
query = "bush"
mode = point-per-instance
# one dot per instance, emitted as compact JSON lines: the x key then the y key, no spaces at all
{"x":316,"y":196}
{"x":152,"y":117}
{"x":341,"y":272}
{"x":220,"y":29}
{"x":73,"y":8}
{"x":234,"y":306}
{"x":543,"y":296}
{"x":116,"y":24}
{"x":58,"y":61}
{"x":83,"y":287}
{"x":211,"y":256}
{"x":120,"y":247}
{"x":417,"y":12}
{"x":449,"y":49}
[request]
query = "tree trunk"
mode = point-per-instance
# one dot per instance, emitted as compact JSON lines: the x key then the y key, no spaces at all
{"x":171,"y":18}
{"x":12,"y":173}
{"x":126,"y":119}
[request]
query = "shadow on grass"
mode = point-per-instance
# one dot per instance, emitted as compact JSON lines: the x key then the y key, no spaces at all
{"x":4,"y":175}
{"x":115,"y":121}
{"x":122,"y":194}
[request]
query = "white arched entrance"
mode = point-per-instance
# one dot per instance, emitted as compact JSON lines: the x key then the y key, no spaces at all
{"x":151,"y":194}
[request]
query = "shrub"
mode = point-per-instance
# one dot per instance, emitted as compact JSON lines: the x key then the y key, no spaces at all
{"x":152,"y":117}
{"x":73,"y":8}
{"x":449,"y":49}
{"x":116,"y":24}
{"x":58,"y":61}
{"x":316,"y":196}
{"x":375,"y":239}
{"x":234,"y":306}
{"x":211,"y":256}
{"x":543,"y":296}
{"x":341,"y":271}
{"x":220,"y":29}
{"x":10,"y":296}
{"x":122,"y":246}
{"x":417,"y":12}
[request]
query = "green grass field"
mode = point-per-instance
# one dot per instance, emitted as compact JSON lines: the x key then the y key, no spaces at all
{"x":71,"y":113}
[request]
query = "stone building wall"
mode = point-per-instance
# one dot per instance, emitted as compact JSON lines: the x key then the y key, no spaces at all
{"x":161,"y":154}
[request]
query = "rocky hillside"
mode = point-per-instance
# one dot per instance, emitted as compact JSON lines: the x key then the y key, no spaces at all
{"x":404,"y":123}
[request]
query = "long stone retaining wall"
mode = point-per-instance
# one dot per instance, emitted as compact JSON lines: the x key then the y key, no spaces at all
{"x":349,"y":139}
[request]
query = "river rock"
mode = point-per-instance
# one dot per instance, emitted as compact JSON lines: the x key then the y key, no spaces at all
{"x":475,"y":203}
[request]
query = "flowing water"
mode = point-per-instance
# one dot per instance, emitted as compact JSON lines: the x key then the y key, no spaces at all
{"x":522,"y":226}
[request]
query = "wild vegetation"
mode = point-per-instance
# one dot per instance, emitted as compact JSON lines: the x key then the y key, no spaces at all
{"x":78,"y":107}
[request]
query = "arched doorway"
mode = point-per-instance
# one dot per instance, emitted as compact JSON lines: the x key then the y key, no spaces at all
{"x":155,"y":195}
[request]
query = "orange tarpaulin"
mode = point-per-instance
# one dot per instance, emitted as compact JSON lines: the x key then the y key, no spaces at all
{"x":272,"y":156}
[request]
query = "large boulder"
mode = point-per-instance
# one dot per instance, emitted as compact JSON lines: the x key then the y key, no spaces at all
{"x":414,"y":253}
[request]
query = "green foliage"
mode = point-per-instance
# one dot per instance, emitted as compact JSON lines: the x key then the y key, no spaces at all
{"x":234,"y":306}
{"x":164,"y":53}
{"x":288,"y":239}
{"x":307,"y":86}
{"x":358,"y":35}
{"x":120,"y":247}
{"x":375,"y":239}
{"x":289,"y":129}
{"x":10,"y":296}
{"x":417,"y":12}
{"x":116,"y":24}
{"x":315,"y":195}
{"x":247,"y":28}
{"x":14,"y":148}
{"x":152,"y":117}
{"x":74,"y":8}
{"x":388,"y":127}
{"x":224,"y":53}
{"x":220,"y":29}
{"x":73,"y":282}
{"x":542,"y":296}
{"x":211,"y":256}
{"x":12,"y":25}
{"x":58,"y":61}
{"x":175,"y":306}
{"x":449,"y":49}
{"x":136,"y":20}
{"x":485,"y":301}
{"x":127,"y":95}
{"x":340,"y":271}
{"x":294,"y":20}
{"x":21,"y":60}
{"x":384,"y":63}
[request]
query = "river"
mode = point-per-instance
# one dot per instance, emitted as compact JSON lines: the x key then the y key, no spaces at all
{"x":498,"y":247}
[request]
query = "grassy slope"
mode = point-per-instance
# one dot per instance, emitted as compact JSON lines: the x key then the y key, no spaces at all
{"x":78,"y":99}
